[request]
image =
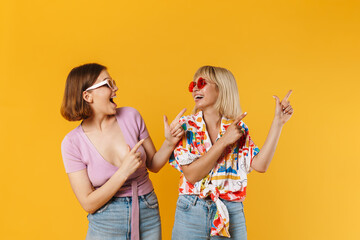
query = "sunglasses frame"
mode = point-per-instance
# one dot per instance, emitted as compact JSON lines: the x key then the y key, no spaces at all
{"x":110,"y":82}
{"x":201,"y":83}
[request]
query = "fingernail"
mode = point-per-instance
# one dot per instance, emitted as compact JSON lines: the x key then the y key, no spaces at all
{"x":245,"y":113}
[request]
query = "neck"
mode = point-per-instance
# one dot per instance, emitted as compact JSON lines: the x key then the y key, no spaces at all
{"x":97,"y":122}
{"x":212,"y":117}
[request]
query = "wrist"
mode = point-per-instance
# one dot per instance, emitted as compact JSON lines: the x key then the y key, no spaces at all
{"x":278,"y":122}
{"x":122,"y":174}
{"x":221,"y":143}
{"x":168,"y":143}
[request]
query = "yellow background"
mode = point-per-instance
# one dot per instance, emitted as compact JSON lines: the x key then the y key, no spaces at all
{"x":152,"y":49}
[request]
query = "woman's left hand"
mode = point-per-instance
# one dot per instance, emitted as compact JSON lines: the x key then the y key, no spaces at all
{"x":283,"y":109}
{"x":174,"y":132}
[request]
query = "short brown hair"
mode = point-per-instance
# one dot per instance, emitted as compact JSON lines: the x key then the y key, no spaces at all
{"x":74,"y":107}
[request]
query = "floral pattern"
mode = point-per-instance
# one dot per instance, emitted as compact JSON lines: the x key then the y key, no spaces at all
{"x":228,"y":179}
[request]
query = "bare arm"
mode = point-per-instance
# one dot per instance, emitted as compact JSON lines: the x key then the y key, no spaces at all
{"x":198,"y":169}
{"x":283,"y":112}
{"x":91,"y":199}
{"x":157,"y":159}
{"x":173,"y":133}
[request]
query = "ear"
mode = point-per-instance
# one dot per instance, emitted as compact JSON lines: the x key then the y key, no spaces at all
{"x":87,"y":97}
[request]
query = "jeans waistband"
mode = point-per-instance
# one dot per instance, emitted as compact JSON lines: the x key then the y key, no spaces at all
{"x":194,"y":199}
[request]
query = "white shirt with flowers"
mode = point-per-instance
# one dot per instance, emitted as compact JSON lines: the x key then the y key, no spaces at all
{"x":228,"y":179}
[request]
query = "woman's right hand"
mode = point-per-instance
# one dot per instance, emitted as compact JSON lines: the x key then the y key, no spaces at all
{"x":174,"y":131}
{"x":132,"y":160}
{"x":234,"y":132}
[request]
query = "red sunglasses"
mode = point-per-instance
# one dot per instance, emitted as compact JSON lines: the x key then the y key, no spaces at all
{"x":200,"y":84}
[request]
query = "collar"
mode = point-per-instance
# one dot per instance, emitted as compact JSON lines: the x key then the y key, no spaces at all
{"x":199,"y":123}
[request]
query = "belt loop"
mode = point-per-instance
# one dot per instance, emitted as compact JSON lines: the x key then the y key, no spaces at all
{"x":195,"y":200}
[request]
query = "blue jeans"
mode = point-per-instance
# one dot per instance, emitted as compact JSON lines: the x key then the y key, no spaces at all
{"x":113,"y":220}
{"x":194,"y":216}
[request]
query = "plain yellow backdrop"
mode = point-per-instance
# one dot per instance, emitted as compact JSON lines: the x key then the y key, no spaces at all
{"x":152,"y":49}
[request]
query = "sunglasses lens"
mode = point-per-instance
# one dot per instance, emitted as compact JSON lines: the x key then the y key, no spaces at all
{"x":191,"y":86}
{"x":112,"y":84}
{"x":201,"y":83}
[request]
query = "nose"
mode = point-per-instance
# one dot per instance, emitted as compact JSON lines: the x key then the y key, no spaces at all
{"x":115,"y":88}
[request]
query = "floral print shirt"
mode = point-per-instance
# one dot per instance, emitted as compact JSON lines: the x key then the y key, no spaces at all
{"x":228,"y":179}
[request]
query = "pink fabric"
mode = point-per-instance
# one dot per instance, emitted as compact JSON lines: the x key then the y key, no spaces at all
{"x":79,"y":153}
{"x":135,"y":235}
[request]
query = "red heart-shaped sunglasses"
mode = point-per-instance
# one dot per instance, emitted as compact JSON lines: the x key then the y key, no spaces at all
{"x":201,"y":83}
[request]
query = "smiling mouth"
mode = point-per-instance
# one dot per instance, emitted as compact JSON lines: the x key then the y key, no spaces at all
{"x":198,"y":97}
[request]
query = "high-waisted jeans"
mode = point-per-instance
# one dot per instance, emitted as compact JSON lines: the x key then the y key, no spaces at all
{"x":194,"y":216}
{"x":113,"y":220}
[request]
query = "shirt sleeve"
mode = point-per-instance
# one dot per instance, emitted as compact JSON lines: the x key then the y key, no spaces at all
{"x":248,"y":150}
{"x":143,"y":132}
{"x":186,"y":151}
{"x":71,"y":156}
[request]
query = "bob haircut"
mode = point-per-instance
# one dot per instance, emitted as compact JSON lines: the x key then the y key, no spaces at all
{"x":74,"y":107}
{"x":228,"y":103}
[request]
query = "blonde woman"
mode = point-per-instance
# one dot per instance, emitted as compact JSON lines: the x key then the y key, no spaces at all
{"x":215,"y":156}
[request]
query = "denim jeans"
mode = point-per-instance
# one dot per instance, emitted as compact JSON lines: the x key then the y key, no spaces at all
{"x":113,"y":220}
{"x":194,"y":216}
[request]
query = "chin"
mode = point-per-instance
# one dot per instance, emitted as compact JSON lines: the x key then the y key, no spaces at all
{"x":199,"y":106}
{"x":112,"y":112}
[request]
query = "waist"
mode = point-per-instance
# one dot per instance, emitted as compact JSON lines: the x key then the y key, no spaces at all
{"x":196,"y":200}
{"x":144,"y":186}
{"x":128,"y":199}
{"x":228,"y":196}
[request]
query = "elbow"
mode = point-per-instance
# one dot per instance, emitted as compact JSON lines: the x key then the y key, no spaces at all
{"x":190,"y":175}
{"x":262,"y":169}
{"x":154,"y":170}
{"x":90,"y":211}
{"x":88,"y":208}
{"x":259,"y":169}
{"x":191,"y":180}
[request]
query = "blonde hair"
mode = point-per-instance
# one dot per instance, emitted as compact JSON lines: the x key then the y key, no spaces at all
{"x":228,"y":103}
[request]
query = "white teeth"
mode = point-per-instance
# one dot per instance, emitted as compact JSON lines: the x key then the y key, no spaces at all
{"x":198,"y":97}
{"x":112,"y":99}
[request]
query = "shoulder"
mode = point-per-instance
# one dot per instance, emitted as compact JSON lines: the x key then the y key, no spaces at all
{"x":72,"y":138}
{"x":127,"y":112}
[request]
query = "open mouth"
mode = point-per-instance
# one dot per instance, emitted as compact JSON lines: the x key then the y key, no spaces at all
{"x":198,"y":97}
{"x":112,"y":99}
